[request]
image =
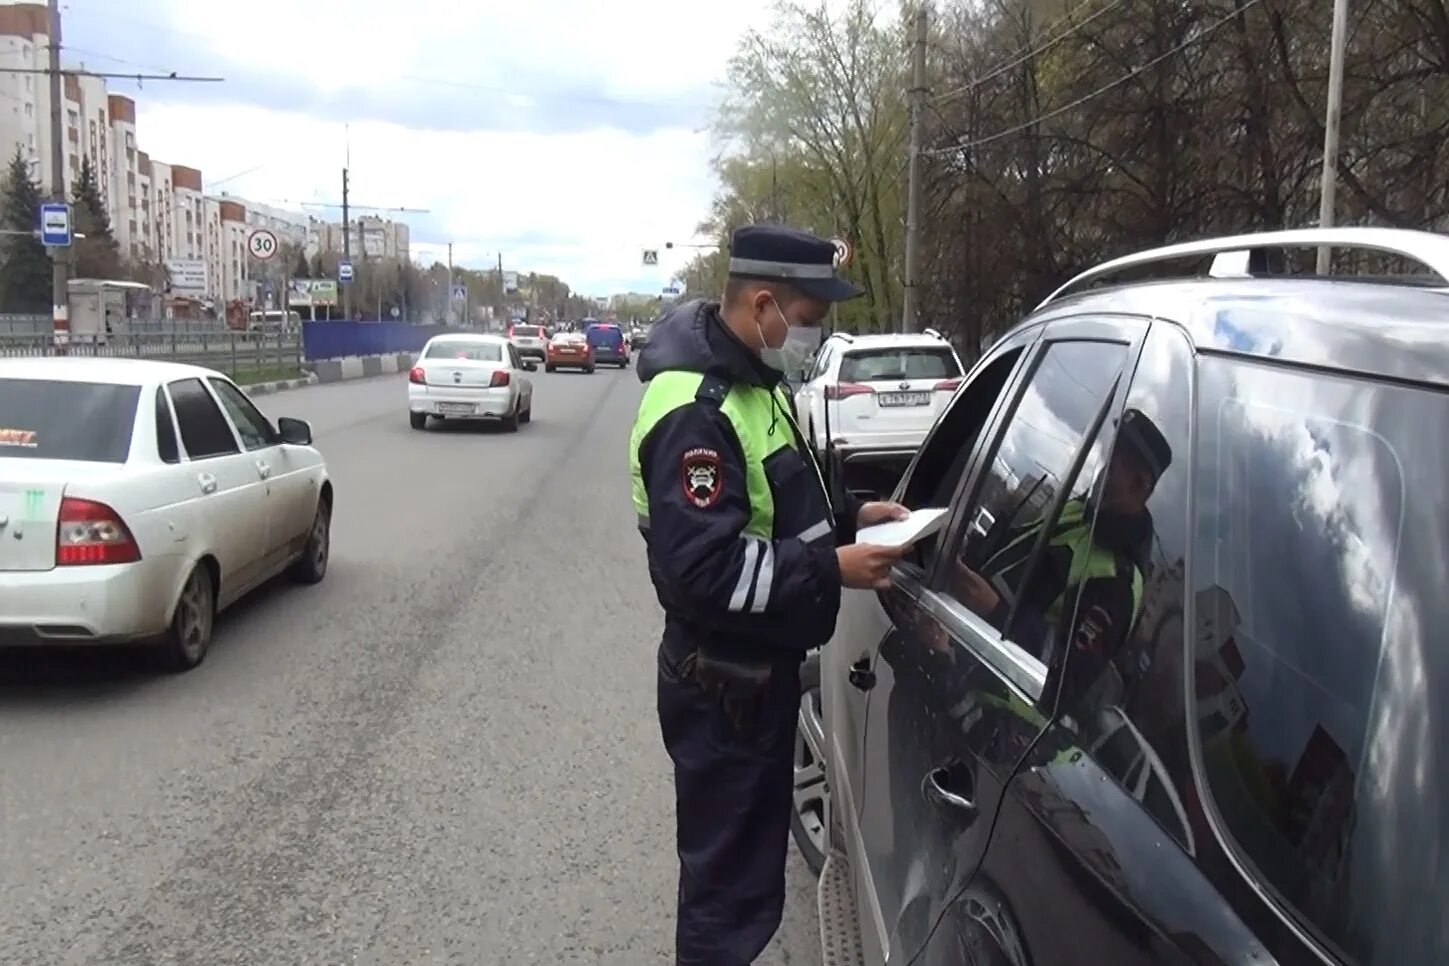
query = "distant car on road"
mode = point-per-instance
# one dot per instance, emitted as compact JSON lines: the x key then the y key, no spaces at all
{"x":470,"y":377}
{"x":138,"y":499}
{"x":569,"y":350}
{"x":529,"y":340}
{"x":607,"y":341}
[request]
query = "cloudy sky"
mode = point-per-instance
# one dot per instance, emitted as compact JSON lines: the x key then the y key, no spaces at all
{"x":567,"y":134}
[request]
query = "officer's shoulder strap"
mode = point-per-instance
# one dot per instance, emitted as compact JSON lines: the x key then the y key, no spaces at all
{"x":713,"y":389}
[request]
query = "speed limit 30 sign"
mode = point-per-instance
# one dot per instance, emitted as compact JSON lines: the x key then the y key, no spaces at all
{"x":262,"y":244}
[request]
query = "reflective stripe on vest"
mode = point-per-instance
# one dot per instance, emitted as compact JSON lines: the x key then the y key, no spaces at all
{"x":750,"y":411}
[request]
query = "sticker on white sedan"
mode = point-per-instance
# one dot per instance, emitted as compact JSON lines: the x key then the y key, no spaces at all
{"x":27,"y":438}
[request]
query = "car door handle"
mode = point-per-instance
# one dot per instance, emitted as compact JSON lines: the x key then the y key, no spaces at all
{"x":265,"y":469}
{"x":938,"y":788}
{"x":207,"y":481}
{"x":862,"y":678}
{"x":983,"y":521}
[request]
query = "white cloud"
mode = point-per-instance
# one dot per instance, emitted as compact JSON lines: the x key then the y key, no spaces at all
{"x":580,"y":203}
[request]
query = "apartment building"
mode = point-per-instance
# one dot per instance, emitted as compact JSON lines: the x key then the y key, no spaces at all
{"x":159,"y":212}
{"x":372,"y":237}
{"x":126,"y":219}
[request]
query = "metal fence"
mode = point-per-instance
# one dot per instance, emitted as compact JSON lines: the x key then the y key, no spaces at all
{"x":241,"y":355}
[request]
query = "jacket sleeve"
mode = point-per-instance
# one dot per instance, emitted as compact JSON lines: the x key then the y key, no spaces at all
{"x":699,"y":507}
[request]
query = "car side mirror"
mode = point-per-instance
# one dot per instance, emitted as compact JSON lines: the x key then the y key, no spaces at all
{"x":530,"y":366}
{"x":297,"y":432}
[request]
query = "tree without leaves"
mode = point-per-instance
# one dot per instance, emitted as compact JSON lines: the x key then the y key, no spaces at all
{"x":25,"y":271}
{"x":97,"y":255}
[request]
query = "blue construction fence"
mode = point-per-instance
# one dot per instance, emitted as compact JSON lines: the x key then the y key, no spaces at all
{"x":337,"y":340}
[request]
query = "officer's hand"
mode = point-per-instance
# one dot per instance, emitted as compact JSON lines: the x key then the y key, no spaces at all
{"x":867,"y":566}
{"x":880,"y":511}
{"x":975,"y":591}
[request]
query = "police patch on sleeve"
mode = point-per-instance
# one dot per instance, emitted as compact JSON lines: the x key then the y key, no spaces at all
{"x":702,"y":477}
{"x":1092,"y":630}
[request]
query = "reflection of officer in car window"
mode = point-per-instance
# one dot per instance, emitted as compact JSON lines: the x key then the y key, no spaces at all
{"x":1106,"y":565}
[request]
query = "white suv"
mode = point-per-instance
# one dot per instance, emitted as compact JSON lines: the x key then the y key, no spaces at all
{"x":877,"y":396}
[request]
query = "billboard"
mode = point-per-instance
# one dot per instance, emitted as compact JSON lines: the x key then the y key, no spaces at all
{"x":188,"y":275}
{"x":313,"y":291}
{"x":510,"y":283}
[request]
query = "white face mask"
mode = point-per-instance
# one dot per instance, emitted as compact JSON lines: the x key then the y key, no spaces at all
{"x":801,"y":342}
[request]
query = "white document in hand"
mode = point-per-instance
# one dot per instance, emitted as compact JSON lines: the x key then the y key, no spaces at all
{"x":902,"y":533}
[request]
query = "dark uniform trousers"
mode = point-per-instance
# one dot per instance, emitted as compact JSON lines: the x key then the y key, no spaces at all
{"x":733,"y":799}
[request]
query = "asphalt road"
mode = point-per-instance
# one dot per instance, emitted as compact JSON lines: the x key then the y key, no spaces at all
{"x":447,"y":752}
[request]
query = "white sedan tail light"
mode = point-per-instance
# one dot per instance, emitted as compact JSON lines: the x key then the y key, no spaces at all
{"x":92,"y":533}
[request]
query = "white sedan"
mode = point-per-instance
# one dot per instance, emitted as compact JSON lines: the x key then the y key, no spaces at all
{"x":470,"y":377}
{"x":138,"y":499}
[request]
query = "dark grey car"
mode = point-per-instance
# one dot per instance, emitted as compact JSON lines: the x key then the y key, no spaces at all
{"x":1254,"y":766}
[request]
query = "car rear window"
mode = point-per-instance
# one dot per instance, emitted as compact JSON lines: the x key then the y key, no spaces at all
{"x":1317,"y":659}
{"x":880,"y":365}
{"x":605,"y":335}
{"x":474,"y":351}
{"x":59,"y":420}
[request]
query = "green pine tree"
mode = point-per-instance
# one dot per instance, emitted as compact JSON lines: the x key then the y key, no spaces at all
{"x":97,"y":255}
{"x":25,"y":269}
{"x":301,"y":269}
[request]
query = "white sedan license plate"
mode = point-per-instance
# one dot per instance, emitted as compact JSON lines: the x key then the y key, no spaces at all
{"x":460,"y":408}
{"x":905,"y":398}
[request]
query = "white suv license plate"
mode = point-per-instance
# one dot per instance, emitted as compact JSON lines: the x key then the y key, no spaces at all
{"x":460,"y":408}
{"x":904,"y":398}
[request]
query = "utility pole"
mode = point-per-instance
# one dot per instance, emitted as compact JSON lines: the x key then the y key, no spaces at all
{"x":1330,"y":128}
{"x":910,"y":294}
{"x":502,"y":295}
{"x":60,"y":257}
{"x":346,"y":252}
{"x":448,"y":319}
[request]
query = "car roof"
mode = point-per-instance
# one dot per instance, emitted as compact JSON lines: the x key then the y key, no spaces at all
{"x":1374,"y":328}
{"x":890,"y":340}
{"x":124,"y":372}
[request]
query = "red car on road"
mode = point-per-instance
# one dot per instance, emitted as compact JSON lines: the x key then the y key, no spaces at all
{"x":569,"y":350}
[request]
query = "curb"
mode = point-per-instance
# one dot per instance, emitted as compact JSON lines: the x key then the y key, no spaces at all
{"x":266,"y":388}
{"x":338,"y":370}
{"x":358,"y":367}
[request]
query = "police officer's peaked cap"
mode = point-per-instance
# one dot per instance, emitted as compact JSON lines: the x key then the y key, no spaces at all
{"x":774,"y":253}
{"x":1146,"y":442}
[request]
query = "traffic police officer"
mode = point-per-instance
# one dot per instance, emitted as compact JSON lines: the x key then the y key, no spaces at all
{"x":748,"y":554}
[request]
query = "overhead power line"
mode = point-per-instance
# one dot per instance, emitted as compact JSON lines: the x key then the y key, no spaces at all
{"x":81,"y":72}
{"x":1017,"y":129}
{"x":1026,"y":53}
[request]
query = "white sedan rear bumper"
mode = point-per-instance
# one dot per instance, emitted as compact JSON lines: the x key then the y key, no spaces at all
{"x":455,"y":401}
{"x":108,"y":604}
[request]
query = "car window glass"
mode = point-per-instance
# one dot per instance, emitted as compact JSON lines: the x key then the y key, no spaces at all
{"x":166,"y":446}
{"x":473,"y":351}
{"x":49,"y":419}
{"x":994,"y":572}
{"x":889,"y":365}
{"x":204,"y":430}
{"x":256,"y":432}
{"x":943,"y":460}
{"x":1319,"y":566}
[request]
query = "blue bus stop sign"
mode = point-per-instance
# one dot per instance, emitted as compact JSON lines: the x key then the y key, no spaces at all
{"x":55,"y":224}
